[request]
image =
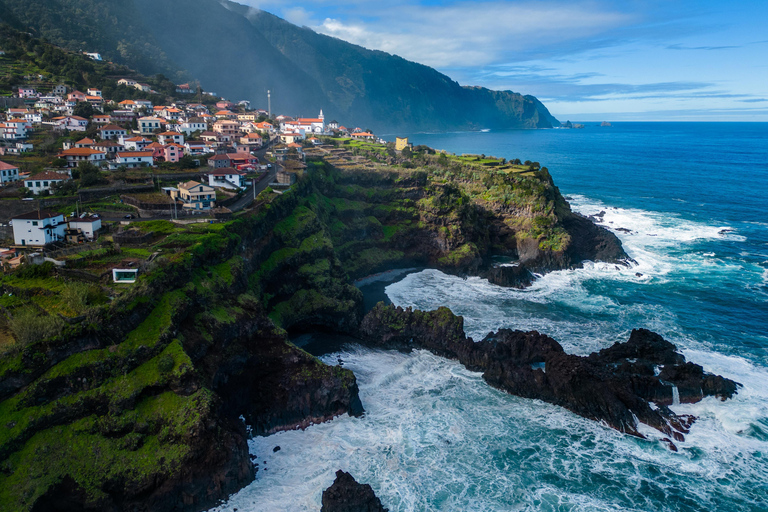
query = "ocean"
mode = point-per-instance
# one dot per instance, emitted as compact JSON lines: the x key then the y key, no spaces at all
{"x":689,"y":203}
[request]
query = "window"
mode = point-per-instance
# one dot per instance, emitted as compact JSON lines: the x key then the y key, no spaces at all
{"x":34,"y":223}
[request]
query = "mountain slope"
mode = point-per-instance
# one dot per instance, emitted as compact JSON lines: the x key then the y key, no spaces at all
{"x":241,"y":53}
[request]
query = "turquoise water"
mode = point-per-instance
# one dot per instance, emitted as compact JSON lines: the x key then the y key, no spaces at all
{"x":435,"y":437}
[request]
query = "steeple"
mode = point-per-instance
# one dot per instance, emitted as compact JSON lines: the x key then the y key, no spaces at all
{"x":321,"y":116}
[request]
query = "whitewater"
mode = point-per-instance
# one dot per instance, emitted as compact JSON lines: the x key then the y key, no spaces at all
{"x":436,"y":437}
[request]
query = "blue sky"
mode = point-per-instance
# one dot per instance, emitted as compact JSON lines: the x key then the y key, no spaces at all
{"x":671,"y":60}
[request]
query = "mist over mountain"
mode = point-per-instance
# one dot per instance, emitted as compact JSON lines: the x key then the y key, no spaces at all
{"x":240,"y":53}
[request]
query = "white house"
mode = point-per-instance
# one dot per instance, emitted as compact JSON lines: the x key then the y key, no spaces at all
{"x":76,"y":155}
{"x":60,"y":89}
{"x":126,"y":81}
{"x":196,"y":148}
{"x":38,"y":228}
{"x":94,"y":92}
{"x":133,"y":159}
{"x":112,"y":131}
{"x":71,"y":123}
{"x":227,"y":178}
{"x":93,"y":56}
{"x":44,"y":181}
{"x":134,"y":143}
{"x":88,"y":224}
{"x":8,"y":173}
{"x":148,"y":125}
{"x":15,"y":129}
{"x":27,"y":92}
{"x":170,"y":137}
{"x":193,"y":125}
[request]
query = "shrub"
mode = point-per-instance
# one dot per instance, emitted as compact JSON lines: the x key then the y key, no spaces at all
{"x":27,"y":326}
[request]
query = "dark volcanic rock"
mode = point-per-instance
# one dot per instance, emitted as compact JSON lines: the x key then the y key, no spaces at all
{"x":511,"y":276}
{"x":346,"y":495}
{"x":616,"y":385}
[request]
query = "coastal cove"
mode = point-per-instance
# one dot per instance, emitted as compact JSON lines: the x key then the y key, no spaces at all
{"x":688,"y":203}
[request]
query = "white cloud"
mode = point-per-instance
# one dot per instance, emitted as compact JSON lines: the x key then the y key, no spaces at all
{"x":475,"y":33}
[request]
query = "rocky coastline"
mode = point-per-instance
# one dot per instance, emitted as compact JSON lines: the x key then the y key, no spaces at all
{"x":623,"y":385}
{"x":149,"y":399}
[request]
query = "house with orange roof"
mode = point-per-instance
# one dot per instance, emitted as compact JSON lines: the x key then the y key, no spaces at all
{"x":225,"y":114}
{"x":102,"y":119}
{"x":74,"y":156}
{"x":71,"y":123}
{"x":168,"y":137}
{"x":44,"y":181}
{"x":8,"y":173}
{"x":363,"y":136}
{"x":84,"y":143}
{"x":184,"y":89}
{"x":252,"y":140}
{"x":171,"y":113}
{"x":291,"y":137}
{"x":134,"y":143}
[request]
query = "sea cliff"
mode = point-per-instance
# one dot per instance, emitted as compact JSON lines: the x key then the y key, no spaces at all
{"x":143,"y":402}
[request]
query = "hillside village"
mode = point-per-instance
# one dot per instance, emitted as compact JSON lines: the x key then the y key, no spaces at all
{"x":75,"y":164}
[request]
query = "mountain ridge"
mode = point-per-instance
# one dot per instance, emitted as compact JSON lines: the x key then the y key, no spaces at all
{"x":241,"y":52}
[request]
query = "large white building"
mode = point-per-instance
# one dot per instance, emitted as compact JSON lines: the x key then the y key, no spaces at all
{"x":38,"y":228}
{"x":8,"y":173}
{"x":44,"y":181}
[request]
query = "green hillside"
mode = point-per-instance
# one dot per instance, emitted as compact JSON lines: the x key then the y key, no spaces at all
{"x":241,"y":53}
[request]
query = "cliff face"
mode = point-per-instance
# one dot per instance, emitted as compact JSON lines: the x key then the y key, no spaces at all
{"x":240,"y":52}
{"x":142,"y":396}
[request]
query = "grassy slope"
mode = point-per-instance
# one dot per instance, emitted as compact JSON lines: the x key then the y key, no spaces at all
{"x":120,"y":412}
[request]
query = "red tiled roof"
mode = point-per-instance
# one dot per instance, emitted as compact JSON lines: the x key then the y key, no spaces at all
{"x":48,"y":175}
{"x":134,"y":153}
{"x":80,"y":152}
{"x":4,"y":166}
{"x":112,"y":127}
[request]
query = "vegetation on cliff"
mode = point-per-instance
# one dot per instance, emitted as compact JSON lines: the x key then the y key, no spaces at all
{"x":134,"y":394}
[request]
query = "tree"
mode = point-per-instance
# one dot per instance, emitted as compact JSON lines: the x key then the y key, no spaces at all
{"x":89,"y":174}
{"x":407,"y":153}
{"x":83,"y":109}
